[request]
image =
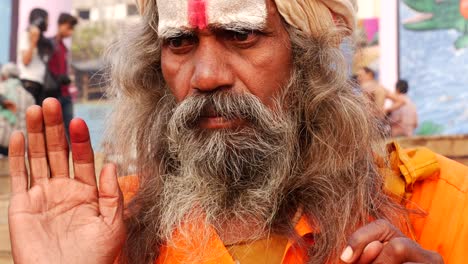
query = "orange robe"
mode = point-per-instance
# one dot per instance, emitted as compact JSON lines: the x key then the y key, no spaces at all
{"x":424,"y":180}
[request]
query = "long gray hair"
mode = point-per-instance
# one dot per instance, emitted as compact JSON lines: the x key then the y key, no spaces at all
{"x":333,"y":176}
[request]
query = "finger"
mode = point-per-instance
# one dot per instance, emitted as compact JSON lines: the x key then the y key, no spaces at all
{"x":57,"y":146}
{"x":380,"y":230}
{"x":16,"y":162}
{"x":36,"y":145}
{"x":83,"y":156}
{"x":110,"y":196}
{"x":370,"y":252}
{"x":401,"y":250}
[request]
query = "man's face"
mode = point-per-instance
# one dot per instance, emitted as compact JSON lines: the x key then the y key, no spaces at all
{"x":214,"y":57}
{"x":229,"y":142}
{"x":66,"y":30}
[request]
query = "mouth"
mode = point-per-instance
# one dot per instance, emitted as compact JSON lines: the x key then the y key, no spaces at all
{"x":219,"y":123}
{"x":212,"y":120}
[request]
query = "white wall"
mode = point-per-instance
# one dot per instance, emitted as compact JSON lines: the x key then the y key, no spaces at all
{"x":389,"y":44}
{"x":369,"y":8}
{"x":386,"y":10}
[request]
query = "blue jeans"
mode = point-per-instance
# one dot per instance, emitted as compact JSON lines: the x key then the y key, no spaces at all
{"x":67,"y":110}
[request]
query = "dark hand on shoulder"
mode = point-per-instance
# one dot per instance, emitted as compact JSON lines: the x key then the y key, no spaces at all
{"x":381,"y":242}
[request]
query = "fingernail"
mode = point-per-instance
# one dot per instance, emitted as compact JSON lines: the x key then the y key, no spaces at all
{"x":347,"y":255}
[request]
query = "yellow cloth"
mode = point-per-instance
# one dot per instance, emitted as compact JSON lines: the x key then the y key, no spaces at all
{"x":266,"y":251}
{"x":407,"y":167}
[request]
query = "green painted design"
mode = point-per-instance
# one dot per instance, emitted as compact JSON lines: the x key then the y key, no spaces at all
{"x":429,"y":128}
{"x":439,"y":15}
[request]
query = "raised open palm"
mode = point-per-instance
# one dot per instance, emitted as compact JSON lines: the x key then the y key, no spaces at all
{"x":54,"y":218}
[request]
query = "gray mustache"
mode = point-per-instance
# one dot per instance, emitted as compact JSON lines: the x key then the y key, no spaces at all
{"x":228,"y":105}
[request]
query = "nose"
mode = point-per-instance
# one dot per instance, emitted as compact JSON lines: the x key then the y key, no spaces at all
{"x":212,"y":70}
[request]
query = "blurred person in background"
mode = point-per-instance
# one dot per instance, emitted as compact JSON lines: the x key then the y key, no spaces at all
{"x":402,"y":114}
{"x":15,"y":102}
{"x":372,"y":89}
{"x":58,"y":66}
{"x":33,"y":53}
{"x":376,"y":95}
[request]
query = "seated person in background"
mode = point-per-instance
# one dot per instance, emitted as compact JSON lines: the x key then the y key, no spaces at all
{"x":376,"y":95}
{"x":16,"y":100}
{"x":7,"y":119}
{"x":403,"y":116}
{"x":375,"y":92}
{"x":252,"y":147}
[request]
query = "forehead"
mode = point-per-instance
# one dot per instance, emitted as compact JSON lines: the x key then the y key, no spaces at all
{"x":176,"y":15}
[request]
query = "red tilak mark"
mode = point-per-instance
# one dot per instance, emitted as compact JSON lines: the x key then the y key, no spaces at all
{"x":197,"y":14}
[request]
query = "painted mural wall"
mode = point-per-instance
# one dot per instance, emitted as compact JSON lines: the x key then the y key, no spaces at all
{"x":433,"y":45}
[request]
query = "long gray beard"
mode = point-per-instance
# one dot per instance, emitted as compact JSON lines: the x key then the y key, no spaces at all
{"x":227,"y":174}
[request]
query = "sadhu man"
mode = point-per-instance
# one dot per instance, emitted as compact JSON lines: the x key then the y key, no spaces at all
{"x":251,"y":147}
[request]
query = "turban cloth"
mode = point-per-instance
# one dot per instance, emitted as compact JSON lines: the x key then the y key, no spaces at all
{"x":299,"y":14}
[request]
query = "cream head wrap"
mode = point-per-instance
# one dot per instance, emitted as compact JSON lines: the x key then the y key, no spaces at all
{"x":301,"y":13}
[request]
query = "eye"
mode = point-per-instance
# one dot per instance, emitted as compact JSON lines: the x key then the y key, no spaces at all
{"x":181,"y":44}
{"x":175,"y":42}
{"x":242,"y":37}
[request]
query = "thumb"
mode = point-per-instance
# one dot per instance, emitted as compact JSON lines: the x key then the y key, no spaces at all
{"x":110,"y":196}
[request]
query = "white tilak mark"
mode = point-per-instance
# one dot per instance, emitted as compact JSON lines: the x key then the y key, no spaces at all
{"x":174,"y":14}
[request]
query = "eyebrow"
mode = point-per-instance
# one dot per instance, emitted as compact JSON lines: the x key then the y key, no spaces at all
{"x":174,"y":32}
{"x":238,"y":26}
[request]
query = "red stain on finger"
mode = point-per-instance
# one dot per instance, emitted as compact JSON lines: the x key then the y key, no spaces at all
{"x":464,"y":8}
{"x":80,"y":142}
{"x":78,"y":131}
{"x":197,"y":14}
